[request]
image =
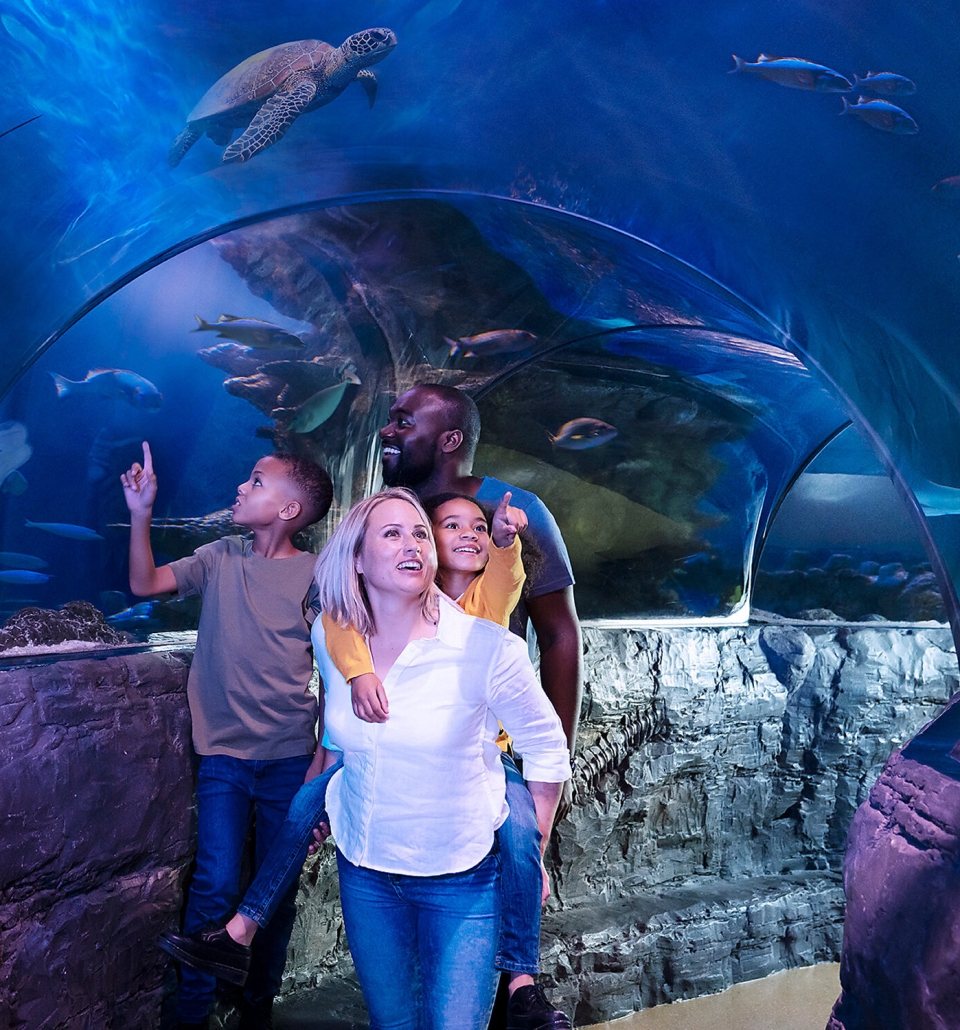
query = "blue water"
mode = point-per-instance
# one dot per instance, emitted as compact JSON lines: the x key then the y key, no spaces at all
{"x":779,"y":229}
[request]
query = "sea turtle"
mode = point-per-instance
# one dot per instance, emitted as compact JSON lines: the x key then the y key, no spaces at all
{"x":266,"y":92}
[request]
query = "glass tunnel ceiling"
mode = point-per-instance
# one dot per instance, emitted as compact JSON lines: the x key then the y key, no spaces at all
{"x":622,"y":115}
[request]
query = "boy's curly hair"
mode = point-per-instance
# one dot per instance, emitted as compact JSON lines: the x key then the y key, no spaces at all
{"x":313,"y":482}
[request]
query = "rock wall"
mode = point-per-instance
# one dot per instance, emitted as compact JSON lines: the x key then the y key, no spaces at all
{"x":718,"y":773}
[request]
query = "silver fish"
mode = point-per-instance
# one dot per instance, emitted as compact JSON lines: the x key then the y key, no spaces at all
{"x":23,"y":576}
{"x":795,"y":73}
{"x":14,"y":449}
{"x":250,"y":332}
{"x":15,"y":560}
{"x":881,"y":114}
{"x":315,"y":410}
{"x":65,"y":529}
{"x":499,"y":341}
{"x":948,"y":188}
{"x":580,"y":434}
{"x":888,"y":83}
{"x":109,"y":383}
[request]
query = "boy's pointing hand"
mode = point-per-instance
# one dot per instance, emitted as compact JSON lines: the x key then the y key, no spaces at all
{"x":140,"y":484}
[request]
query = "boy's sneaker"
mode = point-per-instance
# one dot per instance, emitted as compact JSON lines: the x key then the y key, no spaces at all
{"x":211,"y":950}
{"x":528,"y":1009}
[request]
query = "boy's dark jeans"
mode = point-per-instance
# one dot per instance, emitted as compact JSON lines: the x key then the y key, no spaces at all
{"x":229,"y":791}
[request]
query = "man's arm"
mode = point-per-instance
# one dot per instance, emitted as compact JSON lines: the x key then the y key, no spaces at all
{"x":554,"y":617}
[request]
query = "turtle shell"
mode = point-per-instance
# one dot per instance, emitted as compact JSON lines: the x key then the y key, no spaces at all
{"x":260,"y":76}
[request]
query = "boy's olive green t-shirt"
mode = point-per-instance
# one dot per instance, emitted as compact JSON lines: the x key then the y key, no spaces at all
{"x":249,"y":683}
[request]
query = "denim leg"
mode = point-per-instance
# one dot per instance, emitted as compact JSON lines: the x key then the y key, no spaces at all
{"x":423,"y":946}
{"x":381,"y":932}
{"x":457,"y":930}
{"x":275,"y":784}
{"x":282,"y":862}
{"x":521,"y":882}
{"x":224,"y":795}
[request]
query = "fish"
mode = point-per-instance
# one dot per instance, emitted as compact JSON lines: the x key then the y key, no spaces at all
{"x":881,"y":114}
{"x":888,"y":83}
{"x":499,"y":341}
{"x":14,"y":448}
{"x":140,"y":612}
{"x":65,"y":529}
{"x":250,"y":332}
{"x":580,"y":434}
{"x":110,"y":383}
{"x":23,"y":576}
{"x":948,"y":188}
{"x":15,"y":560}
{"x":795,"y":73}
{"x":14,"y":484}
{"x":315,"y":410}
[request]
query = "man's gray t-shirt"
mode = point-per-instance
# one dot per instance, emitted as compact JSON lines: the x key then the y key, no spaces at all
{"x":555,"y":572}
{"x":249,"y":681}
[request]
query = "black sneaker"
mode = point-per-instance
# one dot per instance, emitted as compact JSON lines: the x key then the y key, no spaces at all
{"x":211,"y":950}
{"x":528,"y":1009}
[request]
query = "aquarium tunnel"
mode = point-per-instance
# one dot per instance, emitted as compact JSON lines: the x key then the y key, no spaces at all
{"x":697,"y":263}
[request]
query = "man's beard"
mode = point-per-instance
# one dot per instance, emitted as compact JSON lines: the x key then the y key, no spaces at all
{"x":404,"y":473}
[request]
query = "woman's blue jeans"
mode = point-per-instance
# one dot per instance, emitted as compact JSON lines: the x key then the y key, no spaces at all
{"x":519,"y":843}
{"x":423,"y":946}
{"x":229,"y":791}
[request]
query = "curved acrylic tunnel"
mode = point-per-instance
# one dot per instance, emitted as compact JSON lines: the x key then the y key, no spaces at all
{"x":619,"y":117}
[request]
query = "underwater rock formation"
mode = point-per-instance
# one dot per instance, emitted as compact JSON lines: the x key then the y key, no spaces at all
{"x":43,"y":627}
{"x":900,"y":966}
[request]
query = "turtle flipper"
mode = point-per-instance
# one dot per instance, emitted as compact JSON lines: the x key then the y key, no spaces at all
{"x":271,"y":121}
{"x":368,"y":81}
{"x":181,"y":145}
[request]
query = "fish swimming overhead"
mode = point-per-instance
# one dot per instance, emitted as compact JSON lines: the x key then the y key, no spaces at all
{"x":23,"y":576}
{"x":14,"y":449}
{"x":888,"y":83}
{"x":881,"y":114}
{"x":315,"y":410}
{"x":16,"y":560}
{"x":499,"y":341}
{"x":794,"y":73}
{"x":111,"y":383}
{"x":580,"y":434}
{"x":250,"y":332}
{"x":65,"y":529}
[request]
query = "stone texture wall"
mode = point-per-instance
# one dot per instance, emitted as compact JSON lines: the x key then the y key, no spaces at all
{"x":719,"y":770}
{"x":95,"y":796}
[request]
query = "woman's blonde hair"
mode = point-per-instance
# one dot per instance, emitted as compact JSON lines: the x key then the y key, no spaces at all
{"x":342,"y":595}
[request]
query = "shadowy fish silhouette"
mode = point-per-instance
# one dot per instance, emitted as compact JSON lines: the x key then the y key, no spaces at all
{"x":141,"y":612}
{"x":888,"y":83}
{"x":580,"y":434}
{"x":315,"y":410}
{"x":23,"y":576}
{"x":499,"y":341}
{"x":15,"y":484}
{"x":65,"y":529}
{"x":881,"y":114}
{"x":15,"y":560}
{"x":14,"y":449}
{"x":795,"y":73}
{"x":250,"y":332}
{"x":111,"y":382}
{"x":948,"y":188}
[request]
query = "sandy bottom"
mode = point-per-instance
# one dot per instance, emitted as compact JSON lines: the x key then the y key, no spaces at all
{"x":797,"y":999}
